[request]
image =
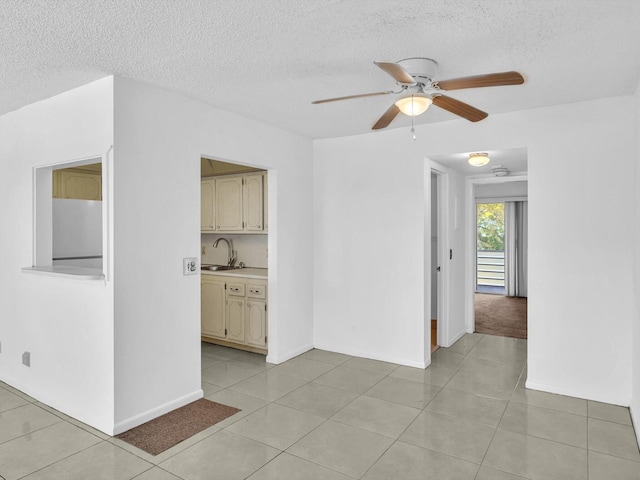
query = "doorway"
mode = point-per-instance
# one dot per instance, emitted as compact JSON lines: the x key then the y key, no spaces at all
{"x":435,"y":263}
{"x":497,"y":254}
{"x":234,"y":238}
{"x":437,"y":259}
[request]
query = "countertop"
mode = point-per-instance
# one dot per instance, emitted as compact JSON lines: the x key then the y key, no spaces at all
{"x":257,"y":273}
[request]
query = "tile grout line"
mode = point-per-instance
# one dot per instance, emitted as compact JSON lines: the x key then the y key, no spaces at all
{"x":396,"y":440}
{"x":500,"y":421}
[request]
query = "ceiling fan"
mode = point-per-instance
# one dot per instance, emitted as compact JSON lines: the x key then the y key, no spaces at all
{"x":418,"y":90}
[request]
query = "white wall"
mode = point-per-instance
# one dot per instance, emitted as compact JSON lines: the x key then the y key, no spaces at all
{"x":160,"y":137}
{"x":67,"y":325}
{"x":369,"y":240}
{"x":251,"y":249}
{"x":368,"y":249}
{"x":635,"y":393}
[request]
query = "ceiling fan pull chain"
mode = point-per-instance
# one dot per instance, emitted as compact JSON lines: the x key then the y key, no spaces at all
{"x":413,"y":130}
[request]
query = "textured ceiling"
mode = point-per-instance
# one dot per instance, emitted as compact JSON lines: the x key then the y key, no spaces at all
{"x":267,"y":60}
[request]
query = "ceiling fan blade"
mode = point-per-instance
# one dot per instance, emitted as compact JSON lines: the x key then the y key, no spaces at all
{"x":386,"y":117}
{"x":351,"y":96}
{"x":461,"y":109}
{"x":397,"y":72}
{"x":489,"y":80}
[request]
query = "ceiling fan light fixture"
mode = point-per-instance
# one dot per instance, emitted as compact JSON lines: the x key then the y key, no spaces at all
{"x":414,"y":104}
{"x":478,"y":159}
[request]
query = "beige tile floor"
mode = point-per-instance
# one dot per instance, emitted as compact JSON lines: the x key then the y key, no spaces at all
{"x":329,"y":416}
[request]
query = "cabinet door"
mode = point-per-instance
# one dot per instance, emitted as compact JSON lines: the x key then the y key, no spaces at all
{"x":213,"y":311}
{"x":265,"y":202}
{"x":256,"y":323}
{"x":78,"y":185}
{"x":235,"y":318}
{"x":229,"y":204}
{"x":253,"y":202}
{"x":207,"y":209}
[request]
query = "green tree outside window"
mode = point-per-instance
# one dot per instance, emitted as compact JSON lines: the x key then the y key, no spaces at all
{"x":490,"y":226}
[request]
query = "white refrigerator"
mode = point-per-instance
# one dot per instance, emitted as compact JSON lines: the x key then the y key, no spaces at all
{"x":77,"y":232}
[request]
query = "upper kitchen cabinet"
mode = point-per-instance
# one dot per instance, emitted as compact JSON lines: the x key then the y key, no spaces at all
{"x":253,"y":209}
{"x":234,"y":203}
{"x":207,"y":205}
{"x":229,"y":204}
{"x":80,"y":183}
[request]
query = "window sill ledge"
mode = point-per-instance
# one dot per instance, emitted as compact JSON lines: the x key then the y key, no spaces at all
{"x":65,"y":271}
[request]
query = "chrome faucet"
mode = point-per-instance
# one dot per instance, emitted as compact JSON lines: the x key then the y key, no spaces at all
{"x":232,"y":253}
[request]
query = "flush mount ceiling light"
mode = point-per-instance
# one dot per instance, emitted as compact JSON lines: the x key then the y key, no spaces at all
{"x":478,"y":159}
{"x":414,"y":104}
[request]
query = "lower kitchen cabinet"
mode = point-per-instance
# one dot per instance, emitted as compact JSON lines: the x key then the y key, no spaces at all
{"x":234,"y":312}
{"x":235,"y":318}
{"x":213,"y":307}
{"x":256,"y":333}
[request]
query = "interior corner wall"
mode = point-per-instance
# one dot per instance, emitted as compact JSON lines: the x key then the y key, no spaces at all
{"x":159,"y":139}
{"x":66,"y":325}
{"x":369,"y":245}
{"x":635,"y":394}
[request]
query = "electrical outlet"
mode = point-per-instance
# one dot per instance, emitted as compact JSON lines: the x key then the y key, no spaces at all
{"x":0,"y":347}
{"x":26,"y":359}
{"x":190,"y":266}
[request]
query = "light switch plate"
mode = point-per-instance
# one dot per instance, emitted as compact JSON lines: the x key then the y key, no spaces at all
{"x":190,"y":266}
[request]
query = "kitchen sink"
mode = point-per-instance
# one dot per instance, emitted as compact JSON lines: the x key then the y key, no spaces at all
{"x":215,"y":268}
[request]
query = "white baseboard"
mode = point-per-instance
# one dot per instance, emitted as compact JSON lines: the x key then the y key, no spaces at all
{"x":45,"y":397}
{"x":373,"y":356}
{"x":455,"y":338}
{"x":584,"y":394}
{"x":141,"y":418}
{"x":635,"y":420}
{"x":276,"y":360}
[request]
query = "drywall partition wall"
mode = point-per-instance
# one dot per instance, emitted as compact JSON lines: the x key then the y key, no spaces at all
{"x":160,"y":137}
{"x":368,"y":248}
{"x":368,"y":214}
{"x":66,"y":324}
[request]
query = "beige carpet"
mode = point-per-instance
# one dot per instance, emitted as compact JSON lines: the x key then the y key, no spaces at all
{"x":500,"y":315}
{"x":164,"y":432}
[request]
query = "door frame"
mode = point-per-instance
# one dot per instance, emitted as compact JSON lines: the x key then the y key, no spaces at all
{"x":470,"y":261}
{"x":443,"y":213}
